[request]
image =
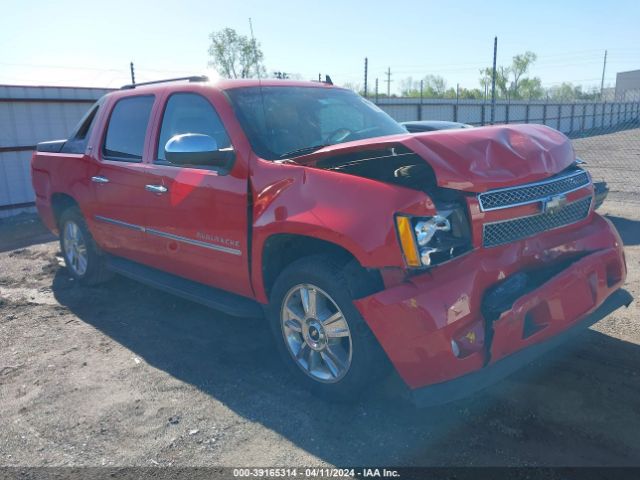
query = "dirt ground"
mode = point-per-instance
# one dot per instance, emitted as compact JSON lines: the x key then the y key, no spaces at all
{"x":122,"y":374}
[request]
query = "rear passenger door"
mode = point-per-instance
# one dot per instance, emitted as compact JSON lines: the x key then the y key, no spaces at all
{"x":198,"y":224}
{"x":119,"y":182}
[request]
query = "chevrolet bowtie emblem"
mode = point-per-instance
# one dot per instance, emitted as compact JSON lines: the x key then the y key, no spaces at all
{"x":554,"y":203}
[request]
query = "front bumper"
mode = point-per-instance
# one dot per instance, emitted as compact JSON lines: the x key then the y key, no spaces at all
{"x":416,"y":321}
{"x":463,"y":386}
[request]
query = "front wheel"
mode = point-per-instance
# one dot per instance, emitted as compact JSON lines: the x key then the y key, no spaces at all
{"x":319,"y":332}
{"x":82,"y":257}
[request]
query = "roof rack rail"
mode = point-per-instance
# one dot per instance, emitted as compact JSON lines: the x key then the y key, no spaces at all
{"x":193,"y":78}
{"x":327,"y":80}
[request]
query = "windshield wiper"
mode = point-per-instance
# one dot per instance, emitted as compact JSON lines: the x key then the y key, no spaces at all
{"x":303,"y":151}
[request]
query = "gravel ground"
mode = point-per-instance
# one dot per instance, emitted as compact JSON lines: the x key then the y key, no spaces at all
{"x":122,"y":374}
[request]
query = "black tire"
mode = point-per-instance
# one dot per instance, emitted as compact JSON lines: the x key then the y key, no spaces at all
{"x":368,"y":362}
{"x":95,"y":271}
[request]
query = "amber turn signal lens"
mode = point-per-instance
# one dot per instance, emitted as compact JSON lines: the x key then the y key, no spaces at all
{"x":407,"y":241}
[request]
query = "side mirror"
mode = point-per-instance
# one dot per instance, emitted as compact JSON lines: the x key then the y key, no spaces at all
{"x":198,"y":150}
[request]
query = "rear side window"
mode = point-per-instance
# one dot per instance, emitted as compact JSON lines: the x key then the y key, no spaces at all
{"x":190,"y":113}
{"x":77,"y":142}
{"x":128,"y":128}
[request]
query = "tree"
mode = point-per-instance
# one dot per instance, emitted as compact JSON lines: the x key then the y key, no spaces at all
{"x":531,"y":88}
{"x":357,"y":87}
{"x":519,"y":66}
{"x":502,"y":80}
{"x":433,"y":86}
{"x":471,"y":93}
{"x":568,"y":91}
{"x":409,"y":87}
{"x":234,"y":55}
{"x":510,"y":81}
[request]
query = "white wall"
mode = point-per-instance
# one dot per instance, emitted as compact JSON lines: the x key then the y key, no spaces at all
{"x":29,"y":115}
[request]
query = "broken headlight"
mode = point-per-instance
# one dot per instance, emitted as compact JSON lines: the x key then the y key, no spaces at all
{"x":428,"y":241}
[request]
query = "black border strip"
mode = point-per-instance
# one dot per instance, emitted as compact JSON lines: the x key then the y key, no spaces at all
{"x":46,"y":100}
{"x":17,"y":205}
{"x":19,"y":148}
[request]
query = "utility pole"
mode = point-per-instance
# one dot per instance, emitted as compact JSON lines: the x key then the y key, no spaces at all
{"x":457,"y":92}
{"x":376,"y":89}
{"x":388,"y":80}
{"x":493,"y":81}
{"x":366,"y":75}
{"x":421,"y":91}
{"x":133,"y":75}
{"x":604,"y":69}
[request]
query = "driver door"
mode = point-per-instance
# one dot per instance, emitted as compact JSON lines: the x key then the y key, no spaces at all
{"x":198,"y":227}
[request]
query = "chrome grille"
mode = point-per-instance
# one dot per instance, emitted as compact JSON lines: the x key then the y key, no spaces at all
{"x":533,"y":192}
{"x":508,"y":231}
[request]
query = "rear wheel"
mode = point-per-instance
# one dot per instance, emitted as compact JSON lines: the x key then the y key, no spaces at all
{"x":82,"y":257}
{"x":319,"y":332}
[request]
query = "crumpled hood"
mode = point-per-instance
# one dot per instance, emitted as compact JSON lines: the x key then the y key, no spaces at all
{"x":476,"y":159}
{"x":479,"y":159}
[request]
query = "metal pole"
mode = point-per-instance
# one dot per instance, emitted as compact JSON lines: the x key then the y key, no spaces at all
{"x":493,"y":81}
{"x":366,"y":75}
{"x":604,"y":69}
{"x":573,"y":111}
{"x":133,"y":75}
{"x":455,"y":108}
{"x":388,"y":82}
{"x":376,"y":89}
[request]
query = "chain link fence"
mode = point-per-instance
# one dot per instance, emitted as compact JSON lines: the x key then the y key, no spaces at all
{"x":606,"y":135}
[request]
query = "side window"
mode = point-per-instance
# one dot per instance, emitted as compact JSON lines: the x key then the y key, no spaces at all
{"x":127,"y":129}
{"x":190,"y":113}
{"x":77,"y":142}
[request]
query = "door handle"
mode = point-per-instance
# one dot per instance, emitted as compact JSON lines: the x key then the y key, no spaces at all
{"x":156,"y":188}
{"x":99,"y":179}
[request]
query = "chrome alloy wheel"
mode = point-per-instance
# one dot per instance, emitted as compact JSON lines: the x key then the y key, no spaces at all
{"x":75,"y":249}
{"x":316,"y":333}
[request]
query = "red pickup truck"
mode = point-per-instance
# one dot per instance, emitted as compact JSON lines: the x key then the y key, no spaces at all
{"x":454,"y":256}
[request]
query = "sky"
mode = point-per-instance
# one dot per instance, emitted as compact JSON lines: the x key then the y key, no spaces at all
{"x":90,"y":43}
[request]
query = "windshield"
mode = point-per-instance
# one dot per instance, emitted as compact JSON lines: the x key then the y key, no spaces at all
{"x":285,"y":122}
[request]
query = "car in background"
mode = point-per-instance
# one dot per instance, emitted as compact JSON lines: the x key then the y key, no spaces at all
{"x":432,"y":125}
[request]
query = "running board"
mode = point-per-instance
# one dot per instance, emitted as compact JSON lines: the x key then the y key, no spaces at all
{"x":226,"y":302}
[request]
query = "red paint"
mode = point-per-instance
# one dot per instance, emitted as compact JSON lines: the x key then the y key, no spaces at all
{"x":416,"y":316}
{"x":415,"y":321}
{"x":478,"y":159}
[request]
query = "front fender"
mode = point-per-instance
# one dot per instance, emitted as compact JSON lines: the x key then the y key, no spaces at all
{"x":354,"y":213}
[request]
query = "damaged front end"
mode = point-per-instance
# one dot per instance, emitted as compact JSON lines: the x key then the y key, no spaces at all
{"x":454,"y":330}
{"x":425,"y":241}
{"x":455,"y":170}
{"x":504,"y":256}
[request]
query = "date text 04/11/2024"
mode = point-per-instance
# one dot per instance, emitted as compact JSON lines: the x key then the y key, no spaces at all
{"x":320,"y":472}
